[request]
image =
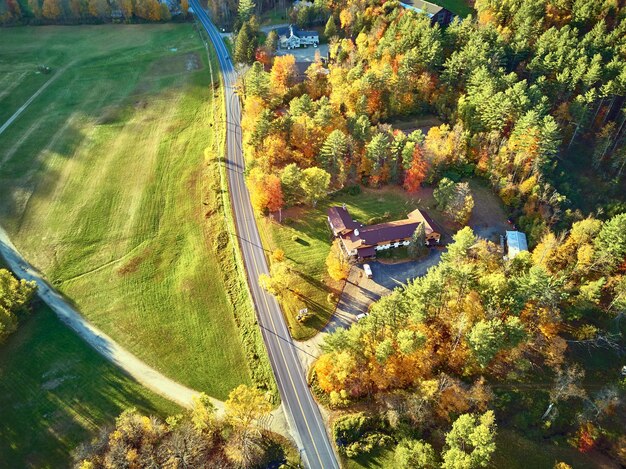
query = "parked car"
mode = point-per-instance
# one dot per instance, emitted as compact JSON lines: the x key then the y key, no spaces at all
{"x":368,"y":270}
{"x":361,"y":316}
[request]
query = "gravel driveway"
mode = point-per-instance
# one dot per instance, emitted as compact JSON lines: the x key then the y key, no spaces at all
{"x":360,"y":292}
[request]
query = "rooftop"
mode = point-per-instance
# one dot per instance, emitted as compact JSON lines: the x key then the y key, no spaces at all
{"x":357,"y":236}
{"x":516,"y":241}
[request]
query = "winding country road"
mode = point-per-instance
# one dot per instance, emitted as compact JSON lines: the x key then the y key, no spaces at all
{"x":302,"y":413}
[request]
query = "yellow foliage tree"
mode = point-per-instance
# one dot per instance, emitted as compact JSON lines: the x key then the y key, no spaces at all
{"x":337,"y":263}
{"x":283,"y":74}
{"x":51,"y":9}
{"x":246,"y":405}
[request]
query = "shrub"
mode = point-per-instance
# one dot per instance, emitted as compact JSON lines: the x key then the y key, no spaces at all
{"x":331,"y":299}
{"x":357,"y":434}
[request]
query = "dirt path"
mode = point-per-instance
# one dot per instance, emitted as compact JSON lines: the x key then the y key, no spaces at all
{"x":111,"y":350}
{"x":108,"y":348}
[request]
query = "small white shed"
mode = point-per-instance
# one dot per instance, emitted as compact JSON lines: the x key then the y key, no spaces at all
{"x":516,"y":243}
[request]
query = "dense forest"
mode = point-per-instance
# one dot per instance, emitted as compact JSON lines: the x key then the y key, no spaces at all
{"x":531,"y":95}
{"x":479,"y":332}
{"x":531,"y":98}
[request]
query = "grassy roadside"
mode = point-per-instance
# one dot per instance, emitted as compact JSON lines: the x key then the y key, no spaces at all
{"x":105,"y":188}
{"x":223,"y":226}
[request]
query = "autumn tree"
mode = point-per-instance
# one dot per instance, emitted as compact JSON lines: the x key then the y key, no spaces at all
{"x":164,"y":14}
{"x":337,"y":262}
{"x":265,"y":191}
{"x":314,"y":184}
{"x":51,"y":9}
{"x":35,"y":8}
{"x":416,"y":174}
{"x":280,"y":279}
{"x":99,"y":8}
{"x":245,"y":405}
{"x":15,"y":295}
{"x":283,"y":74}
{"x":203,"y":413}
{"x":128,"y":8}
{"x":14,"y":9}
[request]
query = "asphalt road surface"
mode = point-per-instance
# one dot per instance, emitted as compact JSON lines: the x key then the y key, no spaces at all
{"x":301,"y":410}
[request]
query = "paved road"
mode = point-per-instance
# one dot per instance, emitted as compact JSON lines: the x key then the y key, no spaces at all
{"x":301,"y":410}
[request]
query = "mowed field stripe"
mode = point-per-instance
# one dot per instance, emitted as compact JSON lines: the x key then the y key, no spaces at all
{"x":122,"y":217}
{"x":16,"y":146}
{"x":32,"y":98}
{"x":12,"y":85}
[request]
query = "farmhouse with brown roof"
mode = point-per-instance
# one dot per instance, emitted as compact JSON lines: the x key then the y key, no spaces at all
{"x":363,"y":241}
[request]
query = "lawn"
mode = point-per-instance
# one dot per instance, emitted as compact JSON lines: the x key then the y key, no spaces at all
{"x":109,"y":185}
{"x":379,"y":459}
{"x":458,"y":7}
{"x":306,"y":239}
{"x":514,"y":451}
{"x":274,"y":16}
{"x":55,"y":392}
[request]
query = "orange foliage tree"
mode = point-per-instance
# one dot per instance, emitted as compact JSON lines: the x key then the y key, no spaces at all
{"x":417,"y":172}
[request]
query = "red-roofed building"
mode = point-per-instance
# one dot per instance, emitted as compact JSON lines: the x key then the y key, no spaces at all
{"x":363,"y":241}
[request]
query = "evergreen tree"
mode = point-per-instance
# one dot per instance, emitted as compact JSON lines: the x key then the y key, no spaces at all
{"x":417,"y":246}
{"x":245,"y":44}
{"x":330,"y":30}
{"x":245,"y":10}
{"x":290,"y":178}
{"x":271,"y":42}
{"x":257,"y":81}
{"x":333,"y":152}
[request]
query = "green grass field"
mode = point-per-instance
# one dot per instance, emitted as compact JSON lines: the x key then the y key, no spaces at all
{"x":108,"y":185}
{"x":458,"y":7}
{"x":312,"y":244}
{"x":55,"y":392}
